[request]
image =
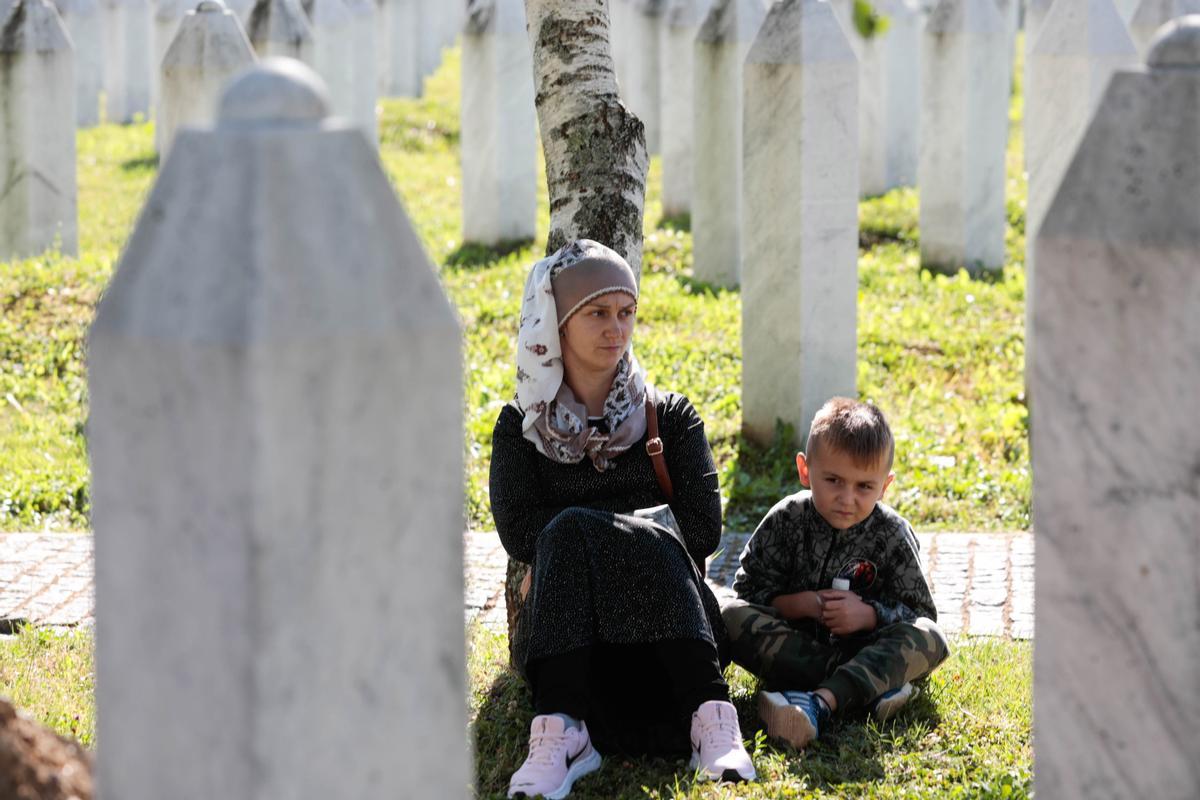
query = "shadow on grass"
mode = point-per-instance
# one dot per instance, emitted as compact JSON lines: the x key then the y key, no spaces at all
{"x":677,"y":222}
{"x":481,"y":255}
{"x":869,"y":238}
{"x":977,"y":272}
{"x":854,"y":749}
{"x":140,"y":164}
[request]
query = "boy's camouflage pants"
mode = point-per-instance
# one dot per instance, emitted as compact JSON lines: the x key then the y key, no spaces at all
{"x":856,"y":670}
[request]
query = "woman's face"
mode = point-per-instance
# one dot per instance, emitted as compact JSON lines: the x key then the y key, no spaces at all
{"x":596,"y":337}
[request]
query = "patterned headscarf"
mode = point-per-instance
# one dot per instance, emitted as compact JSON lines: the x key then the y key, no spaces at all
{"x":555,"y":420}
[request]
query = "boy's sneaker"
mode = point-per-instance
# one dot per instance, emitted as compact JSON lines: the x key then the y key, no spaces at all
{"x":888,"y":704}
{"x":558,"y":756}
{"x":717,"y":750}
{"x":794,"y":717}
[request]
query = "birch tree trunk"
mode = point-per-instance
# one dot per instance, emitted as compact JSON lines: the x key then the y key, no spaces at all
{"x":596,"y":159}
{"x":595,"y":148}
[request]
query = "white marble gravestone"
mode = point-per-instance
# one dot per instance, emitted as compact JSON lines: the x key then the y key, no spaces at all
{"x":1126,"y":9}
{"x":85,"y":26}
{"x":241,"y":9}
{"x":642,"y":91}
{"x":889,"y":98}
{"x":1010,"y":11}
{"x":429,"y":38}
{"x":363,"y":58}
{"x":209,"y":49}
{"x":1116,"y":450}
{"x":964,"y":135}
{"x":1079,"y":46}
{"x":167,"y":14}
{"x":721,"y":46}
{"x":280,"y":28}
{"x":1034,"y":13}
{"x":681,"y":22}
{"x":618,"y":15}
{"x":128,"y":44}
{"x":800,"y":242}
{"x":333,"y":53}
{"x":499,"y":125}
{"x":399,"y":52}
{"x":37,"y":133}
{"x":1150,"y":15}
{"x":276,"y":427}
{"x":453,"y":19}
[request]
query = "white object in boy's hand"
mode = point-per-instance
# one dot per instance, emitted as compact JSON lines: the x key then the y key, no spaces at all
{"x":842,"y":584}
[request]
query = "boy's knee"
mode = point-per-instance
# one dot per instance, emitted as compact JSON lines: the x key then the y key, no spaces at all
{"x":937,"y":649}
{"x":920,"y":639}
{"x":744,"y":619}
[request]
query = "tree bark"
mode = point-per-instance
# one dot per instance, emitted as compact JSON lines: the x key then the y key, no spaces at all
{"x":595,"y":148}
{"x":596,"y":158}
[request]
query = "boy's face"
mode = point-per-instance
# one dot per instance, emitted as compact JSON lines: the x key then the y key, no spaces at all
{"x":843,"y":492}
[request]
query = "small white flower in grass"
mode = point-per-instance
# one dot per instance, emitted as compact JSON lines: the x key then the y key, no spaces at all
{"x":942,"y":462}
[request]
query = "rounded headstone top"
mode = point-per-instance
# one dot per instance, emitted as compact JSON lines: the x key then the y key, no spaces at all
{"x":1177,"y":44}
{"x":210,"y":7}
{"x":274,"y":91}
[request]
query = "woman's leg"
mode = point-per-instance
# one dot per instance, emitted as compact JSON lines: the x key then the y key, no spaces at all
{"x":560,"y":749}
{"x":693,"y":672}
{"x":561,"y":683}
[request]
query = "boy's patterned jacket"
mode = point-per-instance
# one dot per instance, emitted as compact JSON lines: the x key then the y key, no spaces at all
{"x":795,"y":550}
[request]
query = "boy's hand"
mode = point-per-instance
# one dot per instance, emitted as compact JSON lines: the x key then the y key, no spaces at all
{"x":799,"y":605}
{"x":845,"y":613}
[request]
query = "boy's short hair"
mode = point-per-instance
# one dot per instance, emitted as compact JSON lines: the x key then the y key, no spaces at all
{"x":857,"y":429}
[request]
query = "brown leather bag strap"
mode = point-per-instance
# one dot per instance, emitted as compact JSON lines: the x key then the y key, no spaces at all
{"x":654,"y":448}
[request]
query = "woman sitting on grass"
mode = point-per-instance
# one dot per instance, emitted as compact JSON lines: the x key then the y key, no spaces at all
{"x":619,"y":635}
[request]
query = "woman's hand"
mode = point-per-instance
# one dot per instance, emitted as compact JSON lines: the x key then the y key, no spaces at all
{"x":844,"y":613}
{"x":800,"y":605}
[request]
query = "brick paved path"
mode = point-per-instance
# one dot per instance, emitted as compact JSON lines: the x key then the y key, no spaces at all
{"x":982,"y":583}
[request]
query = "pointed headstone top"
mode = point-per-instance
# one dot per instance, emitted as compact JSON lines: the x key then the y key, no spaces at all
{"x":965,"y":16}
{"x":32,"y":26}
{"x":801,"y":32}
{"x":1083,"y":28}
{"x":685,"y":13}
{"x":731,"y":20}
{"x":277,"y":91}
{"x":1177,"y":45}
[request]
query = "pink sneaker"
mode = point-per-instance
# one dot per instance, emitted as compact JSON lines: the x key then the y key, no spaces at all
{"x":717,"y":750}
{"x":558,"y":756}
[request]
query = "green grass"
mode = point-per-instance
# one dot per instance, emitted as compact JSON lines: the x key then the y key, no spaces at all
{"x":943,"y":356}
{"x":967,"y":736}
{"x":49,"y":675}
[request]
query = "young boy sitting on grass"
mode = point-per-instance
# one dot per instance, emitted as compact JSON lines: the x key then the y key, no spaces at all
{"x":833,"y":612}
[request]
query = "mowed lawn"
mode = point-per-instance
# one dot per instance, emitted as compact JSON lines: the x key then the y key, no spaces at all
{"x":942,"y":355}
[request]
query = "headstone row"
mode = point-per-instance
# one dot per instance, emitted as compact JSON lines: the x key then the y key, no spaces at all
{"x":120,"y":46}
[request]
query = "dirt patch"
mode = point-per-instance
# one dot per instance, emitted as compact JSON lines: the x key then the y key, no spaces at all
{"x":38,"y":764}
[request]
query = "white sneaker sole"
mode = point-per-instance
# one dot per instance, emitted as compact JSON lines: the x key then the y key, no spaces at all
{"x":730,"y":775}
{"x":583,"y":766}
{"x":785,"y":721}
{"x":884,"y":710}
